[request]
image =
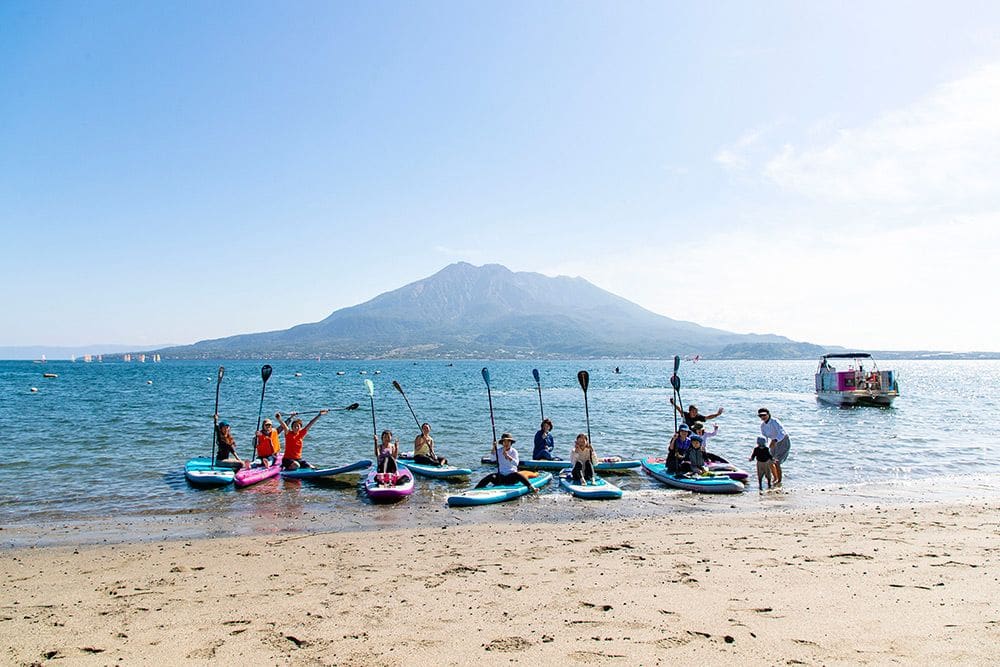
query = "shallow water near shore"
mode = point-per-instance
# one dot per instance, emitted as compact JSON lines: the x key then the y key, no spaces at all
{"x":98,"y":452}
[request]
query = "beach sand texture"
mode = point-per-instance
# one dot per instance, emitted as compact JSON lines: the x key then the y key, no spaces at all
{"x":908,"y":585}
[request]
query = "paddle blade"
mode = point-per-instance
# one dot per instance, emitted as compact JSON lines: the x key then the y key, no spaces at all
{"x":584,"y":379}
{"x":352,"y":406}
{"x":396,"y":385}
{"x":222,"y":371}
{"x":486,"y":376}
{"x":370,"y":387}
{"x":265,"y":372}
{"x":534,"y":374}
{"x":675,"y":382}
{"x":677,"y":363}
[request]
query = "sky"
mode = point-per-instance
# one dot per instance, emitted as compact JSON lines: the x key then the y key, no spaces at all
{"x":172,"y":172}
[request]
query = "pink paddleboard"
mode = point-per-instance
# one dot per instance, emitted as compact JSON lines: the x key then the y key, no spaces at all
{"x":386,"y":487}
{"x":248,"y":476}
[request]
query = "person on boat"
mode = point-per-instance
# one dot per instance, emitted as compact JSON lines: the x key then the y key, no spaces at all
{"x":267,"y":444}
{"x":677,"y":450}
{"x":423,"y":448}
{"x":763,"y":456}
{"x":294,"y":434}
{"x":544,"y":442}
{"x":779,"y":444}
{"x":694,"y":460}
{"x":387,"y":452}
{"x":692,"y":415}
{"x":225,"y":447}
{"x":507,"y":462}
{"x":583,"y":459}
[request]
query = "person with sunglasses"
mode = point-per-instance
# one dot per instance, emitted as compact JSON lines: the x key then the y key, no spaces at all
{"x":779,"y":443}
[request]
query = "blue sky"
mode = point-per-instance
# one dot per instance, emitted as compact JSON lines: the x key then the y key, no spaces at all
{"x":177,"y":171}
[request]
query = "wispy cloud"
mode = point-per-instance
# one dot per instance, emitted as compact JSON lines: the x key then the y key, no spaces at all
{"x":942,"y":150}
{"x":737,"y":156}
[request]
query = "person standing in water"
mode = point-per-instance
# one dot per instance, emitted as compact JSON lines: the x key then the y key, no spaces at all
{"x":778,"y":441}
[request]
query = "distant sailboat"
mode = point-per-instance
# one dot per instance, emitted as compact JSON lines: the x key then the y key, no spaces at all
{"x":100,"y":359}
{"x":156,"y":358}
{"x":126,"y":357}
{"x":72,"y":358}
{"x":87,"y":359}
{"x":142,"y":358}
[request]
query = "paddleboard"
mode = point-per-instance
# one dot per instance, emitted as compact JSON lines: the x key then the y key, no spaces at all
{"x":394,"y":487}
{"x":604,"y":465}
{"x":200,"y":472}
{"x":255,"y":475}
{"x":600,"y":489}
{"x":496,"y":494}
{"x":718,"y":467}
{"x":656,"y":468}
{"x":437,"y":472}
{"x":325,"y":473}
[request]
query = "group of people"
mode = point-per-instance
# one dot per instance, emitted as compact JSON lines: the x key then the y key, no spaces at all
{"x":267,"y":443}
{"x":387,"y":450}
{"x":582,"y":459}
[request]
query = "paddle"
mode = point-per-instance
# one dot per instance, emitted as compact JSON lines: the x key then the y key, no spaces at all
{"x":400,"y":390}
{"x":584,"y":378}
{"x":489,"y":395}
{"x":215,"y":419}
{"x":675,"y":382}
{"x":538,"y":383}
{"x":352,"y":406}
{"x":265,"y":373}
{"x":371,"y":397}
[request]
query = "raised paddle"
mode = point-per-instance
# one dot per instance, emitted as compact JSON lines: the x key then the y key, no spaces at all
{"x":538,"y":383}
{"x":584,"y":378}
{"x":400,"y":390}
{"x":215,"y":419}
{"x":675,"y":382}
{"x":265,"y":373}
{"x":371,"y":397}
{"x":489,"y":395}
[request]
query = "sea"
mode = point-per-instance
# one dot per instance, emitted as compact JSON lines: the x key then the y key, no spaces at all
{"x":97,"y":453}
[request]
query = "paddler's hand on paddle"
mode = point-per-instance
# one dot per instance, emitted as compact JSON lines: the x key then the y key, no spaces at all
{"x":323,"y":411}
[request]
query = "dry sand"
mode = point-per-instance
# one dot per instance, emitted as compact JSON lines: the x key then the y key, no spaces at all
{"x":909,"y":585}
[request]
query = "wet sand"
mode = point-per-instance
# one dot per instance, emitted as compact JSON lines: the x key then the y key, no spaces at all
{"x":873,"y":585}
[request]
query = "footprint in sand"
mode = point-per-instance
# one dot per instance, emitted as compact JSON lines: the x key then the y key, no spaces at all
{"x":508,"y":644}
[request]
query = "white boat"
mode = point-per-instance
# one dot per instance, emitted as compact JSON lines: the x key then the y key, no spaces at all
{"x":854,"y":385}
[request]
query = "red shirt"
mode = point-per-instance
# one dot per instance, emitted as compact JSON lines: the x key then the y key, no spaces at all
{"x":293,"y":443}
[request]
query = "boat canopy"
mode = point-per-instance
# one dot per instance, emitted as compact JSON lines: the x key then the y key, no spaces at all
{"x":848,"y":355}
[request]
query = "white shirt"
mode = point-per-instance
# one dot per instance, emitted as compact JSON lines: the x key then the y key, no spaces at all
{"x":507,"y":467}
{"x":772,"y":430}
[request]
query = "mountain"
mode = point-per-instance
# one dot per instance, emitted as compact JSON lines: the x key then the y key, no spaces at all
{"x":464,"y":311}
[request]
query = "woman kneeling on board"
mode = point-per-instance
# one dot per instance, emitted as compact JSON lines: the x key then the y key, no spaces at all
{"x":507,"y":460}
{"x":423,"y":448}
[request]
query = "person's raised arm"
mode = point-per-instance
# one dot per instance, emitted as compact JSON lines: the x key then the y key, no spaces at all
{"x":714,"y":414}
{"x":676,"y":407}
{"x":281,"y":424}
{"x":315,"y":419}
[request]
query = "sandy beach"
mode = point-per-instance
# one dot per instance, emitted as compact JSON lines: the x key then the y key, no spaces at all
{"x":876,"y":585}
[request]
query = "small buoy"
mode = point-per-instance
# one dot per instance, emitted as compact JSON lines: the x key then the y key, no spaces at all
{"x":362,"y":372}
{"x":49,"y":375}
{"x":298,"y":375}
{"x":378,"y":372}
{"x":149,"y":382}
{"x":340,"y":372}
{"x":34,"y":389}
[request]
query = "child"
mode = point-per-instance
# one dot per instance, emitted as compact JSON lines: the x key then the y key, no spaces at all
{"x":583,"y":459}
{"x":292,"y":460}
{"x":763,"y":456}
{"x":695,"y":460}
{"x":507,"y":461}
{"x":267,"y":444}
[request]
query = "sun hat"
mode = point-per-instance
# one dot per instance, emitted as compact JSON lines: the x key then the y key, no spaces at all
{"x":507,"y":436}
{"x":684,"y":427}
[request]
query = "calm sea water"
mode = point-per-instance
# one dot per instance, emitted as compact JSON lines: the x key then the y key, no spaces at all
{"x":110,"y":440}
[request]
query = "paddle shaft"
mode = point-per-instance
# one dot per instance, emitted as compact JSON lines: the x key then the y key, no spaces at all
{"x":489,"y":396}
{"x":538,"y":383}
{"x":215,"y":420}
{"x":408,"y":405}
{"x":265,"y":373}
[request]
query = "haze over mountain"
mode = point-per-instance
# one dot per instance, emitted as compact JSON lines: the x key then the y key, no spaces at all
{"x":464,"y":311}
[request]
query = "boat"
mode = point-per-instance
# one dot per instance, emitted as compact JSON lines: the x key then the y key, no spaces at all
{"x":319,"y":474}
{"x":258,"y":473}
{"x":605,"y":464}
{"x":436,"y":472}
{"x":855,"y":385}
{"x":657,"y":469}
{"x":203,"y":471}
{"x":387,"y":487}
{"x":497,"y":494}
{"x":49,"y":375}
{"x":599,"y":489}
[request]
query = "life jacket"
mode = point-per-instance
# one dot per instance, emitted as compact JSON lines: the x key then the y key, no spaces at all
{"x":268,"y":445}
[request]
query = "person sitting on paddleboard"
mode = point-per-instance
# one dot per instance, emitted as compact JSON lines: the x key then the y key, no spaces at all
{"x":694,"y":461}
{"x":678,"y":448}
{"x":423,"y":448}
{"x":583,"y":459}
{"x":225,"y":447}
{"x":387,"y":453}
{"x":692,"y":415}
{"x":544,"y":443}
{"x":292,"y":460}
{"x":507,"y":461}
{"x":268,"y":444}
